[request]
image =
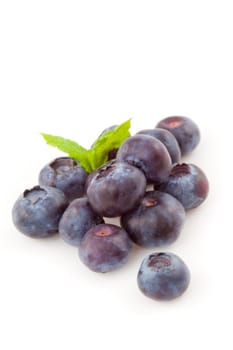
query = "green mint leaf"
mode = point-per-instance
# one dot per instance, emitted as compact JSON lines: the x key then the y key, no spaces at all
{"x":109,"y":140}
{"x":72,"y":148}
{"x":92,"y":158}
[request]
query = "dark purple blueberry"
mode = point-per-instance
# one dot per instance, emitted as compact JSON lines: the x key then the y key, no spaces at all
{"x":37,"y":212}
{"x":157,"y":220}
{"x":149,"y":155}
{"x":167,"y":139}
{"x":116,"y":188}
{"x":188,"y":184}
{"x":105,"y":248}
{"x":66,"y":174}
{"x":185,"y":131}
{"x":163,"y":276}
{"x":77,"y":219}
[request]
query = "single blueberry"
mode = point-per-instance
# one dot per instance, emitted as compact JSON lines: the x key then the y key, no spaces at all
{"x":163,"y":276}
{"x":116,"y":188}
{"x":156,"y":221}
{"x":188,"y":184}
{"x":185,"y":131}
{"x":168,"y":139}
{"x":66,"y":174}
{"x":37,"y":212}
{"x":105,"y":248}
{"x":148,"y":154}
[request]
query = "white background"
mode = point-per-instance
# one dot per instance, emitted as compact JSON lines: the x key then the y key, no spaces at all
{"x":72,"y":68}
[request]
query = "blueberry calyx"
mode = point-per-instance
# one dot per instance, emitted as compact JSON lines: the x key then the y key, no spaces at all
{"x":63,"y":164}
{"x":106,"y":169}
{"x":34,"y":194}
{"x":180,"y":169}
{"x":159,"y":261}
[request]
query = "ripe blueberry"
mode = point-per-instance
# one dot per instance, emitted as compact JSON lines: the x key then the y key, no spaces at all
{"x":37,"y":211}
{"x":185,"y":131}
{"x":105,"y":248}
{"x":116,"y":188}
{"x":66,"y":174}
{"x":148,"y":154}
{"x":157,"y":220}
{"x":187,"y":183}
{"x":163,"y":276}
{"x":167,"y":139}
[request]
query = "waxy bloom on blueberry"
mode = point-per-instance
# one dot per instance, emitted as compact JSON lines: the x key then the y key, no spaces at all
{"x":156,"y":221}
{"x":149,"y":155}
{"x":116,"y":188}
{"x":163,"y":276}
{"x":37,"y":211}
{"x":188,"y":184}
{"x":168,"y":139}
{"x":66,"y":174}
{"x":77,"y":219}
{"x":185,"y":131}
{"x":105,"y":248}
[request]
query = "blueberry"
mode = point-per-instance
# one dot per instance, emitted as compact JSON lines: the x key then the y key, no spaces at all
{"x":167,"y":139}
{"x":66,"y":174}
{"x":148,"y":154}
{"x":77,"y":219}
{"x":156,"y":221}
{"x":188,"y":184}
{"x":185,"y":131}
{"x":105,"y":247}
{"x":116,"y":188}
{"x":37,"y":211}
{"x":163,"y":276}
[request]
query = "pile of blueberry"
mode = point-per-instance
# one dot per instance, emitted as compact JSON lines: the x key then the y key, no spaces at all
{"x":144,"y":183}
